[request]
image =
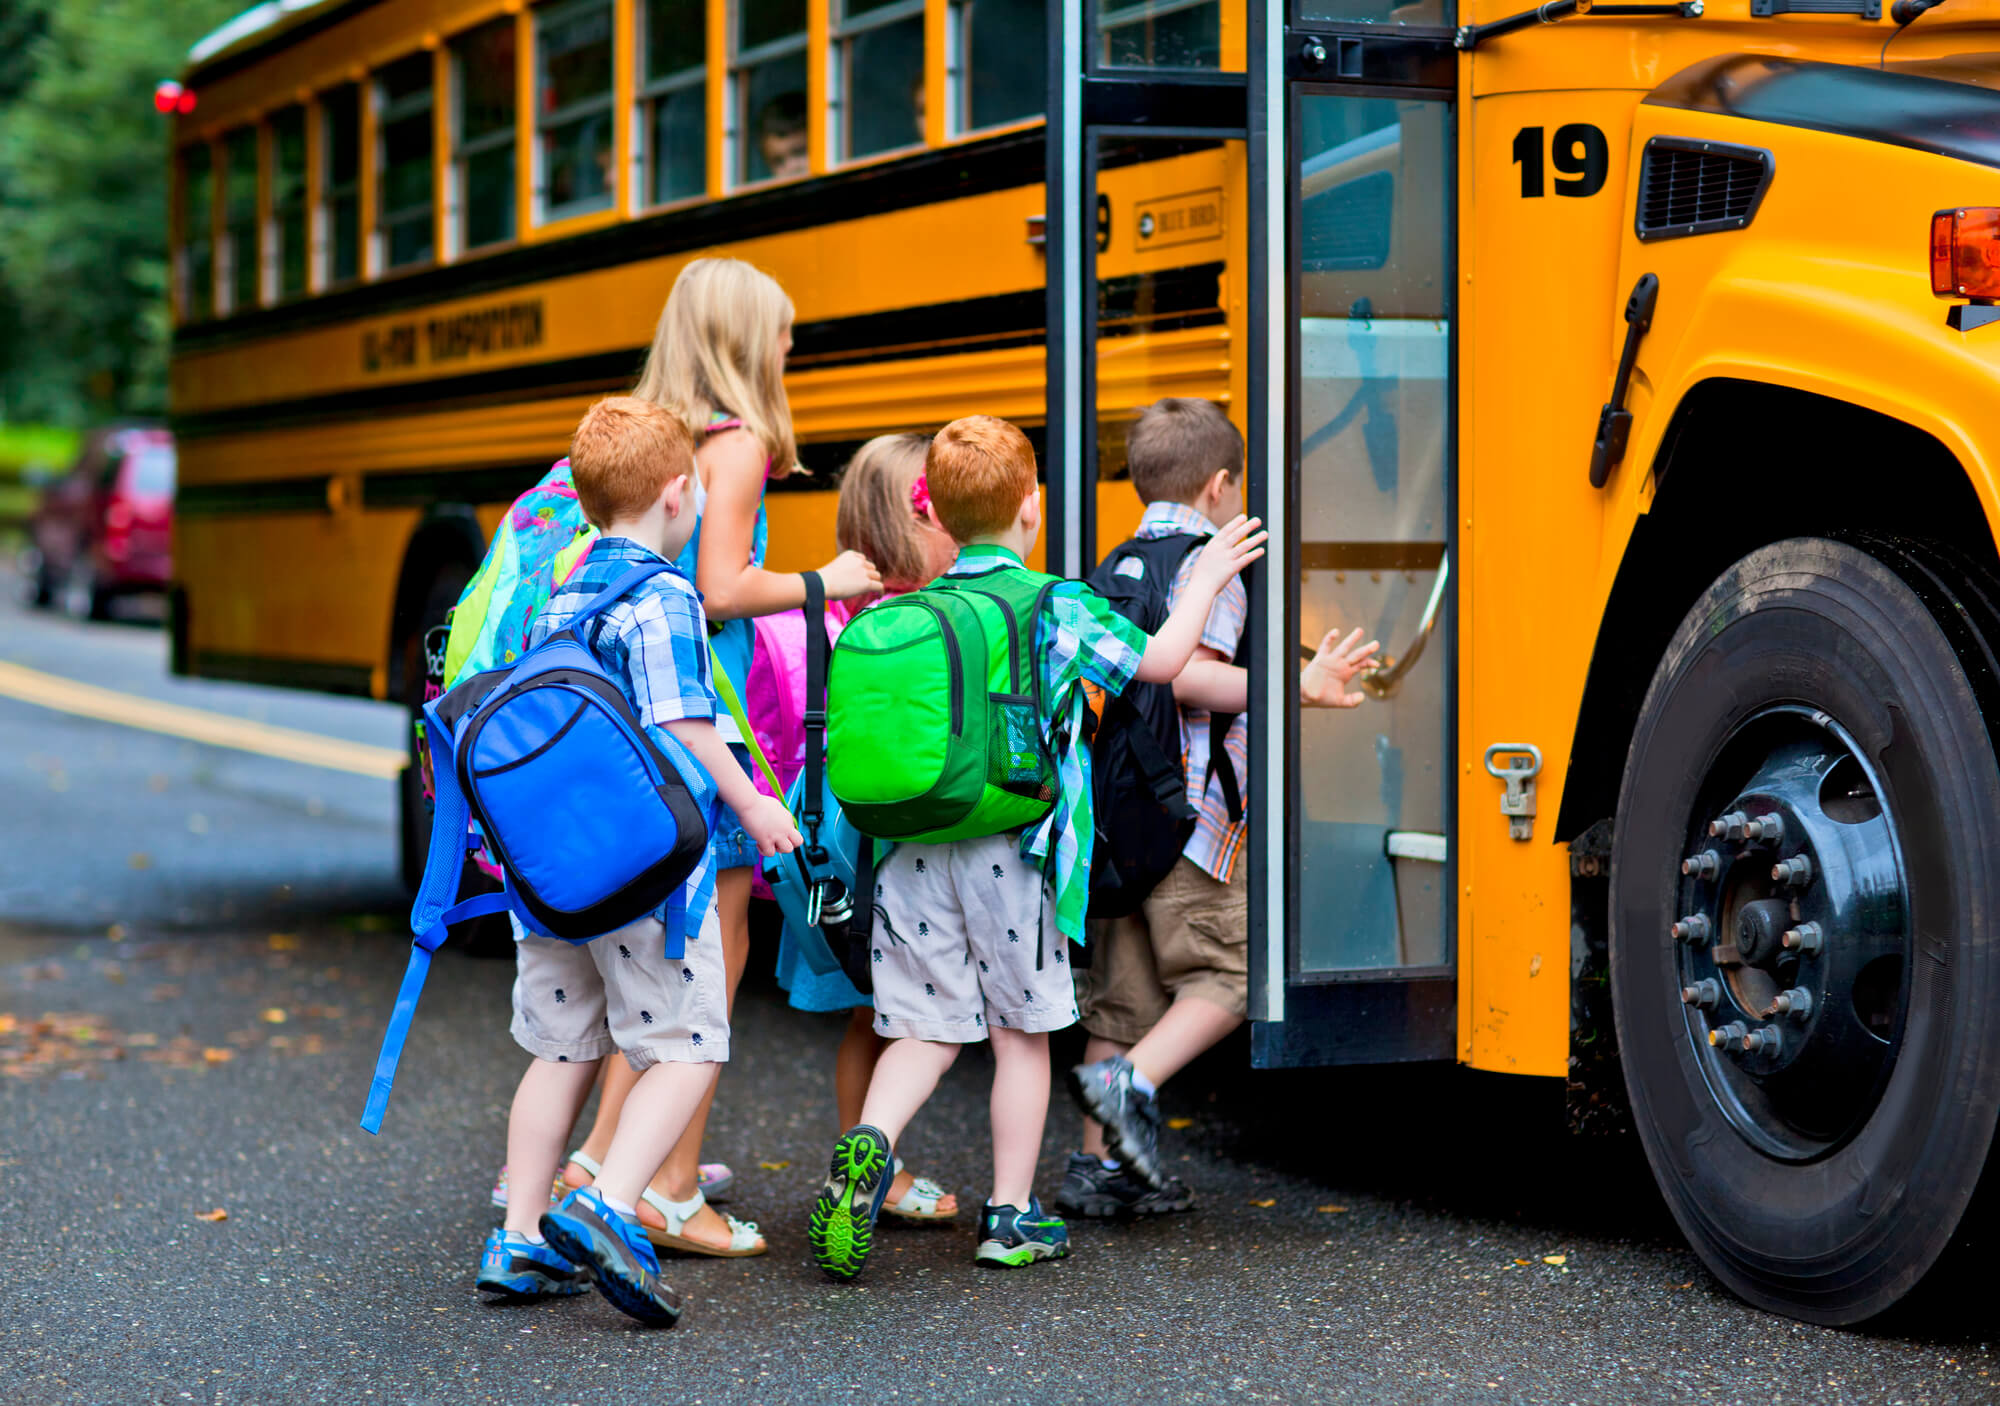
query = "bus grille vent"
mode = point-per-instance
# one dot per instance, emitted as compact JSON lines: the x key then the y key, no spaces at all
{"x":1690,"y":187}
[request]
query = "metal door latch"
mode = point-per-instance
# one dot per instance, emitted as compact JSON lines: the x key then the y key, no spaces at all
{"x":1523,"y":762}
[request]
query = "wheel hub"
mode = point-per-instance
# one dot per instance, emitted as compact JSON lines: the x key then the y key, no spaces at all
{"x":1791,"y":960}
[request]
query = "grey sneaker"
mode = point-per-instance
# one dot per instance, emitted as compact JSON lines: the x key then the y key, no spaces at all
{"x":1131,"y":1120}
{"x":1091,"y":1191}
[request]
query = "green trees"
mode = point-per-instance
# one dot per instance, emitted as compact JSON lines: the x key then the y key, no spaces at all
{"x":83,"y":191}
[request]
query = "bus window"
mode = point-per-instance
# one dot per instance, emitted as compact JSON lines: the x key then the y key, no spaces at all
{"x":197,"y":233}
{"x":483,"y":169}
{"x":1374,"y":419}
{"x":573,"y":107}
{"x":879,"y":75}
{"x":340,"y":184}
{"x":239,"y":231}
{"x":405,"y":181}
{"x":1005,"y":60}
{"x":1160,"y":34}
{"x":288,"y":200}
{"x":674,"y":100}
{"x":768,"y":71}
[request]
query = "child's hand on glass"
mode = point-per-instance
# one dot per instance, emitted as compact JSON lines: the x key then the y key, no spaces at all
{"x":1233,"y":547}
{"x":769,"y":825}
{"x":849,"y":575}
{"x":1323,"y":682}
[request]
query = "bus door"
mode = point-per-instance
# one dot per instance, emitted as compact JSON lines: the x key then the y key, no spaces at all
{"x":1145,"y":235}
{"x":1352,"y":845}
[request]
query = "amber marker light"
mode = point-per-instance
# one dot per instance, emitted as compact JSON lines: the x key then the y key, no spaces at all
{"x":1965,"y":253}
{"x":1965,"y":263}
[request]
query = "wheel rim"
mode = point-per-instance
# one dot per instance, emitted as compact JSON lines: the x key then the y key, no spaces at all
{"x":1792,"y":951}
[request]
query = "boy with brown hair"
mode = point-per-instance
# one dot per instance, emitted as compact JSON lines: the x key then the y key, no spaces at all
{"x":957,"y":925}
{"x":1169,"y":981}
{"x":574,"y":1004}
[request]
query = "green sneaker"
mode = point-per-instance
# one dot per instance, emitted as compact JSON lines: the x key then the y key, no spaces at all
{"x":842,"y":1228}
{"x":1013,"y":1236}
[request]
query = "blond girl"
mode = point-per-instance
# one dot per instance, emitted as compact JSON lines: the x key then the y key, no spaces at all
{"x":717,"y":362}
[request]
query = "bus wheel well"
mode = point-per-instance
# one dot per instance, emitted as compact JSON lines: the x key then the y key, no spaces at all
{"x":1742,"y":465}
{"x":448,"y":535}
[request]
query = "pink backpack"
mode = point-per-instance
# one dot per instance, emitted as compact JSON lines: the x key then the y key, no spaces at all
{"x":775,"y":700}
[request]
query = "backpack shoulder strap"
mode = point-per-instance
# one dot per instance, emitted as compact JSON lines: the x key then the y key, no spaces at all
{"x":633,"y":577}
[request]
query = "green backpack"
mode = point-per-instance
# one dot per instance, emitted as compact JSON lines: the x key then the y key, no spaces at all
{"x":934,"y":711}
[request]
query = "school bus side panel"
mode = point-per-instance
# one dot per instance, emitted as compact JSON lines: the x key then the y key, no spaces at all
{"x":1539,"y":290}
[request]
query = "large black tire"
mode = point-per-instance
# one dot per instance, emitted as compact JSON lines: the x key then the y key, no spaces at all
{"x":1846,"y":1234}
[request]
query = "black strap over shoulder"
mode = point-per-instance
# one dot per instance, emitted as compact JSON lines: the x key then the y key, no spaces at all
{"x":810,"y":814}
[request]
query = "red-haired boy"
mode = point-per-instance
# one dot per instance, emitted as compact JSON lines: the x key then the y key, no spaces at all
{"x":957,"y":925}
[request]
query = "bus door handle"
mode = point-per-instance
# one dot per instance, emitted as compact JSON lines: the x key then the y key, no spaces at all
{"x":1384,"y":679}
{"x":1521,"y":763}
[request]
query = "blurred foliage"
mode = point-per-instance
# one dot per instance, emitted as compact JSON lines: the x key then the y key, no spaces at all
{"x":83,"y":202}
{"x":35,"y":450}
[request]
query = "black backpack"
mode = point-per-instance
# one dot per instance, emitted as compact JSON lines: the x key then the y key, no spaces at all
{"x":1138,"y":790}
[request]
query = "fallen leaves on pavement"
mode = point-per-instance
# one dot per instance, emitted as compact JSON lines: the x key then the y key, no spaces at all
{"x":1332,"y":1210}
{"x":1180,"y":1124}
{"x":1267,"y":1204}
{"x":218,"y":1214}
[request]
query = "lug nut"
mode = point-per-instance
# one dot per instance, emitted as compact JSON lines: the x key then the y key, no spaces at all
{"x":1728,"y":1037}
{"x":1767,"y":1038}
{"x":1729,"y":827}
{"x":1766,"y":830}
{"x":1796,"y":1003}
{"x":1695,"y":927}
{"x":1702,"y":866}
{"x":1796,"y":871}
{"x":1704,"y":993}
{"x":1805,"y":939}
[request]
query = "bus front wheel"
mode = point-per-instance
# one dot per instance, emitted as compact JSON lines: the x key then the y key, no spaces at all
{"x":1805,"y":948}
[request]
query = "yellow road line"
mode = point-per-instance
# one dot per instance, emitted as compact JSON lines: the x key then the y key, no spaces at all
{"x":196,"y":724}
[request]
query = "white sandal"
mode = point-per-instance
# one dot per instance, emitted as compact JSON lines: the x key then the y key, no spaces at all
{"x":714,"y":1178}
{"x":743,"y":1237}
{"x":920,"y":1202}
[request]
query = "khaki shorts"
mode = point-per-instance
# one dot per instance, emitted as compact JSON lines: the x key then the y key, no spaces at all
{"x":574,"y":1003}
{"x":1191,"y":938}
{"x":956,"y":929}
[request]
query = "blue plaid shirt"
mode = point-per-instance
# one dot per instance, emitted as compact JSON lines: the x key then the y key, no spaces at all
{"x":1079,"y":637}
{"x":654,"y":642}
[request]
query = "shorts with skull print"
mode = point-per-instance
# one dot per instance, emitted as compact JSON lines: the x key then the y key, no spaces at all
{"x":957,"y":928}
{"x":577,"y":1002}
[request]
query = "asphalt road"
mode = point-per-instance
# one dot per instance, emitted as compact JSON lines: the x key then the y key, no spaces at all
{"x":198,"y":948}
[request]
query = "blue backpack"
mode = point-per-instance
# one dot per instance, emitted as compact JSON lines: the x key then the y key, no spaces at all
{"x":593,"y":822}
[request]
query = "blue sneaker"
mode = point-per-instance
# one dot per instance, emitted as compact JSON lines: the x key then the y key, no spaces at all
{"x":617,"y":1254}
{"x":515,"y":1269}
{"x":1013,"y":1236}
{"x":841,"y":1230}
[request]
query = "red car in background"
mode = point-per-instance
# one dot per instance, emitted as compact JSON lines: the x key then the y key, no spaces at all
{"x":102,"y":529}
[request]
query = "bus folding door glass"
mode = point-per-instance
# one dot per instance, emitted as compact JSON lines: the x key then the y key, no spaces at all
{"x":573,"y":107}
{"x":1373,"y":403}
{"x":1436,"y":14}
{"x":674,"y":100}
{"x":879,"y":60}
{"x":406,"y":187}
{"x":483,"y":69}
{"x":197,"y":233}
{"x":1159,"y":34}
{"x":288,"y":200}
{"x":239,"y":198}
{"x":1006,"y":60}
{"x":340,"y":193}
{"x":769,"y":71}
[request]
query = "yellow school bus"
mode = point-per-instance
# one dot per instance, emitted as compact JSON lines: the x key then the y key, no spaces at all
{"x":1628,"y":368}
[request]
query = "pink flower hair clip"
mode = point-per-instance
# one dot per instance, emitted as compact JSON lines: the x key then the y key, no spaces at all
{"x":920,"y":496}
